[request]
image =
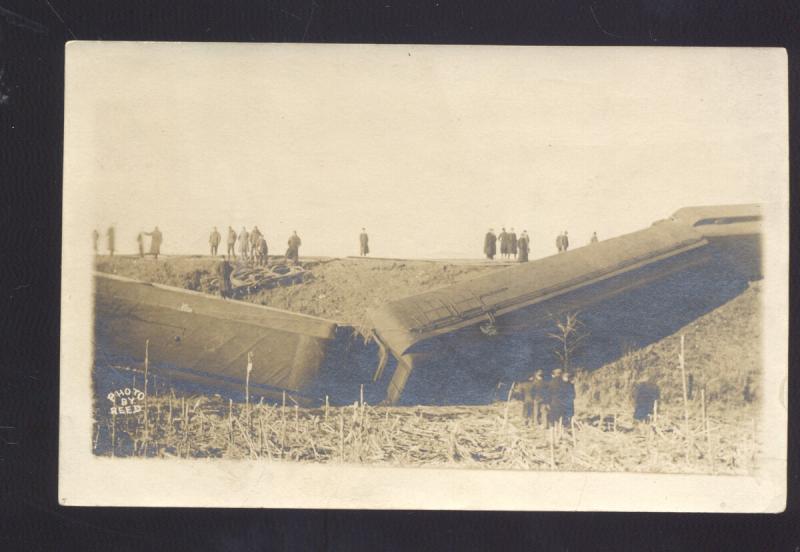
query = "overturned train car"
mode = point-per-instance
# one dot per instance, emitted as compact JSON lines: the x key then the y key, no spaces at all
{"x":206,"y":341}
{"x":456,"y":344}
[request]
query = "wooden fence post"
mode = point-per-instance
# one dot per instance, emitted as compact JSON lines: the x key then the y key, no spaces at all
{"x":682,"y":360}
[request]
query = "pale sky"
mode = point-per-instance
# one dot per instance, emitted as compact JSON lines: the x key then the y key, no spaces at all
{"x":425,"y":146}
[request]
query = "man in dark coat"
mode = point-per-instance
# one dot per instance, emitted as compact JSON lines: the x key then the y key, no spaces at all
{"x":213,"y":241}
{"x":110,"y":240}
{"x":567,"y":399}
{"x":363,"y":240}
{"x":255,"y":240}
{"x":523,"y":244}
{"x":263,"y":251}
{"x":512,"y":239}
{"x":556,"y":406}
{"x":541,"y":398}
{"x":534,"y":396}
{"x":155,"y":241}
{"x":231,"y":243}
{"x":293,"y":252}
{"x":504,"y":243}
{"x":490,"y":244}
{"x":224,"y":271}
{"x":565,"y":240}
{"x":524,"y":390}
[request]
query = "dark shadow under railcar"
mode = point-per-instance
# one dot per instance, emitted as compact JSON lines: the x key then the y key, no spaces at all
{"x":467,"y":366}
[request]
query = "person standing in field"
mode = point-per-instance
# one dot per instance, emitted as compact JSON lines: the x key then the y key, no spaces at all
{"x":524,"y":390}
{"x":594,"y":238}
{"x":512,"y":243}
{"x":565,"y":240}
{"x":224,"y":271}
{"x":213,"y":241}
{"x":231,"y":243}
{"x":140,"y":244}
{"x":560,"y":243}
{"x":363,"y":240}
{"x":255,"y":239}
{"x":244,"y":242}
{"x":523,"y":244}
{"x":156,"y":239}
{"x":555,"y":404}
{"x":541,"y":398}
{"x":263,"y":251}
{"x":504,"y":243}
{"x":95,"y":239}
{"x":490,"y":244}
{"x":293,"y":252}
{"x":110,"y":240}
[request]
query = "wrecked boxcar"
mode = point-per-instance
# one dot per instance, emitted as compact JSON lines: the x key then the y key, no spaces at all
{"x":459,"y":342}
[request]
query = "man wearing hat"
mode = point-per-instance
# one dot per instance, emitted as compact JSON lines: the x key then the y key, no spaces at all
{"x":490,"y":244}
{"x":525,"y":390}
{"x":541,"y":398}
{"x":213,"y":240}
{"x":224,"y":270}
{"x":363,"y":240}
{"x":523,"y":244}
{"x":156,"y":239}
{"x":231,"y":243}
{"x":556,"y":410}
{"x":512,"y":243}
{"x":293,"y":252}
{"x":505,"y":243}
{"x":244,"y":243}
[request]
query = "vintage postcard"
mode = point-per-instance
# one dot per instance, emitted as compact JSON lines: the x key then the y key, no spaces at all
{"x":429,"y":277}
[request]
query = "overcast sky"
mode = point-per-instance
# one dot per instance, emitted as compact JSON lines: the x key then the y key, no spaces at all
{"x":426,"y":147}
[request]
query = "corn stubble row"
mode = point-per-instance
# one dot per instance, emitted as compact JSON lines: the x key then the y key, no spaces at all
{"x":493,"y":436}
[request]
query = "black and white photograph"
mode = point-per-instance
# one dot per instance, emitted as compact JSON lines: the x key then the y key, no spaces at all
{"x":409,"y":276}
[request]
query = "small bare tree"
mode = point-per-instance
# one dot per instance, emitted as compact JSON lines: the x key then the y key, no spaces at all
{"x":569,"y":334}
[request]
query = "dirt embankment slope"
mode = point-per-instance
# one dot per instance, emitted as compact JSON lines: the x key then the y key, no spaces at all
{"x":339,"y":289}
{"x":722,"y":351}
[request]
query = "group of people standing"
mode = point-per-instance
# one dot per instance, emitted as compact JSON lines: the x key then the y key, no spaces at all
{"x":518,"y":248}
{"x":156,"y":239}
{"x":548,"y":402}
{"x":510,"y":245}
{"x":252,"y":245}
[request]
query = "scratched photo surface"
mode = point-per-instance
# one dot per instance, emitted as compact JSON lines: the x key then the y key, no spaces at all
{"x":437,"y":260}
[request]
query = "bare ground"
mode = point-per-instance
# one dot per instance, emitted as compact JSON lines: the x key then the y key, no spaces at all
{"x":339,"y":289}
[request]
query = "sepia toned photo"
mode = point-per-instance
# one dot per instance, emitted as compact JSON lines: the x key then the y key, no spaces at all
{"x":388,"y":276}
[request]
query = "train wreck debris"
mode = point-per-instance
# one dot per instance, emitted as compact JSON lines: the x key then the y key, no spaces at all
{"x":246,"y":279}
{"x":451,"y":344}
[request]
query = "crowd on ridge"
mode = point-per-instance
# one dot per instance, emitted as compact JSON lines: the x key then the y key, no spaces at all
{"x":252,"y":245}
{"x":518,"y":248}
